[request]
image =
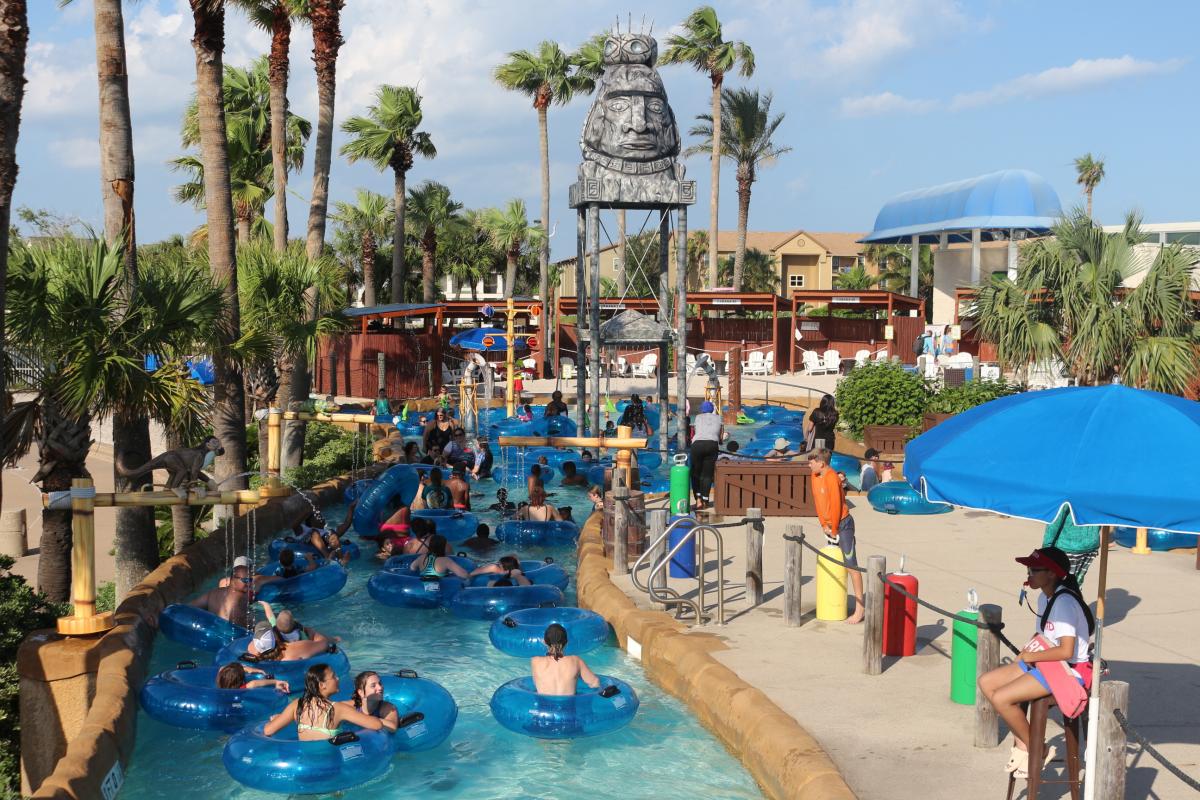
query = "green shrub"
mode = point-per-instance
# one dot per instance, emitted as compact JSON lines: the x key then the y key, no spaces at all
{"x":956,"y":399}
{"x":329,"y":451}
{"x":106,"y":596}
{"x":880,"y":394}
{"x":21,"y":610}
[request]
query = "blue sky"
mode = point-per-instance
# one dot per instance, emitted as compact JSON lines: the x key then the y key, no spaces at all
{"x":881,"y":96}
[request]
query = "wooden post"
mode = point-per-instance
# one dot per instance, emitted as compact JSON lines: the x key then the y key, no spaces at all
{"x":754,"y":556}
{"x":734,"y":392}
{"x":84,"y":619}
{"x":873,"y":623}
{"x":622,"y":461}
{"x":333,"y":381}
{"x":381,"y":370}
{"x":793,"y":561}
{"x":274,"y":446}
{"x":656,"y":523}
{"x":621,"y":521}
{"x":987,"y":658}
{"x":1110,"y":752}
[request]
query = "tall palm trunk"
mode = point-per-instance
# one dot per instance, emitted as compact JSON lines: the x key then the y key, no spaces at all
{"x":229,"y":421}
{"x":136,"y":543}
{"x":544,"y":251}
{"x":739,"y":256}
{"x":244,"y":224}
{"x":368,"y":268}
{"x":281,"y":40}
{"x":14,"y":36}
{"x":1088,"y":192}
{"x":428,"y":256}
{"x":510,"y":272}
{"x":622,"y":251}
{"x":62,"y":452}
{"x":715,"y":176}
{"x":399,"y":268}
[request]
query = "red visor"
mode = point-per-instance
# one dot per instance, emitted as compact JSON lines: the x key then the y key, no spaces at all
{"x":1039,"y":560}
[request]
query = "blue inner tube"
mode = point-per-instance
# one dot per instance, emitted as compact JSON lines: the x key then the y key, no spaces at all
{"x":285,"y":765}
{"x":197,"y":628}
{"x":403,"y":588}
{"x":521,"y":633}
{"x":399,"y":483}
{"x":189,"y":698}
{"x":528,"y":532}
{"x":517,"y":473}
{"x":772,"y":431}
{"x":404,"y":562}
{"x":1156,"y":539}
{"x":655,"y":484}
{"x":300,"y":547}
{"x":649,"y":459}
{"x":757,"y":447}
{"x":595,"y":474}
{"x":318,"y":584}
{"x":492,"y":602}
{"x":554,"y":456}
{"x":518,"y":707}
{"x":356,"y":489}
{"x":412,"y":695}
{"x":290,"y":671}
{"x":840,"y":462}
{"x":454,"y":524}
{"x":898,"y":497}
{"x":538,"y":426}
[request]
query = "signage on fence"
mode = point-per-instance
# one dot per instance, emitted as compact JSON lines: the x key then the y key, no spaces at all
{"x":612,"y":306}
{"x":489,"y":341}
{"x":847,"y":299}
{"x":810,"y":326}
{"x":726,"y":301}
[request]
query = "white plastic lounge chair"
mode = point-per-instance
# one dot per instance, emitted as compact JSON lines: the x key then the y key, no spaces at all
{"x":689,"y":363}
{"x":755,"y":365}
{"x":647,"y":367}
{"x":862,"y":357}
{"x":567,"y":368}
{"x":770,"y":362}
{"x":832,"y":361}
{"x":622,"y":367}
{"x":882,"y":355}
{"x":812,"y":363}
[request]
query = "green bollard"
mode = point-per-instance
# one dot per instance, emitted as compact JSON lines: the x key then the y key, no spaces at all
{"x":962,"y":654}
{"x":681,"y":486}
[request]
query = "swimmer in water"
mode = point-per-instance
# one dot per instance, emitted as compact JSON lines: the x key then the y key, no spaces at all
{"x":556,"y":673}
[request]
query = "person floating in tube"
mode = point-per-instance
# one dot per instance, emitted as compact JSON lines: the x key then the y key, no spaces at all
{"x":556,"y":673}
{"x":1056,"y":661}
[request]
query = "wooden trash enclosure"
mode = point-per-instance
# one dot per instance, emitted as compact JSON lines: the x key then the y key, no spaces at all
{"x":635,"y":536}
{"x":889,"y":440}
{"x":779,"y":488}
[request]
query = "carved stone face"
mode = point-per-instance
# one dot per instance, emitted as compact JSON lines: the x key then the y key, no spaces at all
{"x":631,"y":120}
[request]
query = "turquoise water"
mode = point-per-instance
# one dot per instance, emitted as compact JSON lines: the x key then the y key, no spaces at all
{"x":664,"y":753}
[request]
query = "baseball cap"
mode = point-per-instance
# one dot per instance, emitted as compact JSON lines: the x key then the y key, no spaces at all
{"x":1050,"y":558}
{"x":241,"y":561}
{"x":781,"y":443}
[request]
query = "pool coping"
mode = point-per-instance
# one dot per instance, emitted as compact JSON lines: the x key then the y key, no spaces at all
{"x":784,"y":758}
{"x":93,"y":765}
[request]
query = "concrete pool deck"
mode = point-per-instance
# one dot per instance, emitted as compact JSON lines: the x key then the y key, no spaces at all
{"x":897,"y":735}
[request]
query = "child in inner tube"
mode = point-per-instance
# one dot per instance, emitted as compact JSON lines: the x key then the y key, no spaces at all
{"x":234,"y":676}
{"x":315,"y":714}
{"x":556,"y":673}
{"x":509,"y":570}
{"x":503,"y":505}
{"x":437,"y":563}
{"x":368,"y":699}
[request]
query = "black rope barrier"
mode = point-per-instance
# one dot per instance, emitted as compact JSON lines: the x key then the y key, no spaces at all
{"x":1133,"y":733}
{"x":802,"y":539}
{"x":983,"y":626}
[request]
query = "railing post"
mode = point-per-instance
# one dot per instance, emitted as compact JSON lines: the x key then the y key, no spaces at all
{"x":656,"y":523}
{"x":873,"y":623}
{"x":987,"y":658}
{"x":1110,"y":750}
{"x":793,"y":555}
{"x":754,"y":556}
{"x":621,"y":521}
{"x":333,"y":381}
{"x":381,"y":369}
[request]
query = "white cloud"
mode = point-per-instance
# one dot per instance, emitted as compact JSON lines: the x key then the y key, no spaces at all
{"x":1086,"y":73}
{"x":61,"y":80}
{"x":874,"y":105}
{"x":77,"y":152}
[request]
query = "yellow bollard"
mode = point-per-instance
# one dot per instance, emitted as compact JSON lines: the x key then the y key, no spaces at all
{"x":831,"y":585}
{"x":1140,"y":546}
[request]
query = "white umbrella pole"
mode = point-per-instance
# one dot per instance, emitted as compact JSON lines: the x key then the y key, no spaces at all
{"x":1093,"y":733}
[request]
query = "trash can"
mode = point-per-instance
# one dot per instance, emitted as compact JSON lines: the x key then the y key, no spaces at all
{"x":683,"y":563}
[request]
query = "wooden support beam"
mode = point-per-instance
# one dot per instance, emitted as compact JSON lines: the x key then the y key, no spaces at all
{"x":873,"y":624}
{"x":754,"y":556}
{"x":573,"y":441}
{"x":621,"y":521}
{"x":793,"y":562}
{"x":337,"y":416}
{"x":987,"y":658}
{"x":166,"y":497}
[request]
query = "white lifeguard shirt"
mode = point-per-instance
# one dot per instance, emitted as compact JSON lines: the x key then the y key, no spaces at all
{"x":1066,"y":619}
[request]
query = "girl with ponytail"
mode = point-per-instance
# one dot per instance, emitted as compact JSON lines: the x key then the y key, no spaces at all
{"x":368,"y":699}
{"x":557,"y":673}
{"x":1065,"y":627}
{"x":315,"y":715}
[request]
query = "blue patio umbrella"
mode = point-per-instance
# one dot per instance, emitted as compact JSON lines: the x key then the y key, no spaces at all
{"x":472,"y":339}
{"x":1029,"y":455}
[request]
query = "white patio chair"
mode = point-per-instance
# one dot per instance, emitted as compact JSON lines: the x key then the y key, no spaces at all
{"x":812,"y":363}
{"x":689,"y":363}
{"x":862,"y":357}
{"x":622,"y":367}
{"x":770,"y":362}
{"x":832,"y":361}
{"x":962,"y":361}
{"x":755,"y":364}
{"x":647,"y":367}
{"x":989,"y":372}
{"x":882,"y":355}
{"x":567,"y":368}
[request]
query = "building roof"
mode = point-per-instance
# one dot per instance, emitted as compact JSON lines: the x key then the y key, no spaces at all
{"x":835,"y":242}
{"x":391,"y":309}
{"x":1008,"y":200}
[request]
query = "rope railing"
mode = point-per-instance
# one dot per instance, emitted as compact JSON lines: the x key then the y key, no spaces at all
{"x":980,"y":624}
{"x":1137,"y":736}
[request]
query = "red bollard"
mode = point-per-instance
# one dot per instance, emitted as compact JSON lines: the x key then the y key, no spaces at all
{"x":900,"y":615}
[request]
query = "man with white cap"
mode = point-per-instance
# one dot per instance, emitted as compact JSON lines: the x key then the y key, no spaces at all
{"x":708,"y":433}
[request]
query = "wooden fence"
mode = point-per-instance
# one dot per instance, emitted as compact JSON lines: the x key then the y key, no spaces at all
{"x":778,"y":488}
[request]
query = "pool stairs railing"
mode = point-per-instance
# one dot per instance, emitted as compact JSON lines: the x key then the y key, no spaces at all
{"x":659,"y":592}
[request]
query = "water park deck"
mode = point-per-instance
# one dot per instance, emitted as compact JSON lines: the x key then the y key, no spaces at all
{"x":897,"y":735}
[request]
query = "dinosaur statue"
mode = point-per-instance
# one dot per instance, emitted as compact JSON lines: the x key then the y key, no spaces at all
{"x":184,"y":465}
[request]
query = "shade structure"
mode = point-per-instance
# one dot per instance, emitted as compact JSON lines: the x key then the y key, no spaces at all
{"x":472,"y":339}
{"x":1029,"y":454}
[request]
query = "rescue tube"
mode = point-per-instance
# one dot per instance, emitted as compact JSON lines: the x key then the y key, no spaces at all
{"x":188,"y":697}
{"x":777,"y":430}
{"x":525,"y":532}
{"x":492,"y":602}
{"x":452,"y":523}
{"x":197,"y":628}
{"x":403,"y":588}
{"x":521,"y":632}
{"x":399,"y":483}
{"x":1156,"y":539}
{"x":898,"y":497}
{"x":285,"y":765}
{"x":307,"y":587}
{"x":290,"y":671}
{"x":356,"y":489}
{"x":299,"y":546}
{"x":415,"y":696}
{"x":589,"y":712}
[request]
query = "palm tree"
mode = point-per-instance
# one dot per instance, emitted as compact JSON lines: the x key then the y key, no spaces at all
{"x":326,"y":16}
{"x":855,"y":279}
{"x":14,"y":37}
{"x":229,"y":420}
{"x":745,"y":135}
{"x":512,"y":233}
{"x":761,"y":272}
{"x":547,"y":78}
{"x":697,"y":257}
{"x":1069,"y":303}
{"x":370,"y":221}
{"x":703,"y":46}
{"x":276,"y":16}
{"x":434,"y":214}
{"x":471,"y":256}
{"x":895,"y":269}
{"x":388,"y":137}
{"x":1089,"y":172}
{"x":73,"y":303}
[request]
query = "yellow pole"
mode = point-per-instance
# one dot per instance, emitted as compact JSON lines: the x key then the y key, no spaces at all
{"x":509,"y":401}
{"x":1140,"y":546}
{"x":274,"y":446}
{"x":624,"y":460}
{"x":85,"y":620}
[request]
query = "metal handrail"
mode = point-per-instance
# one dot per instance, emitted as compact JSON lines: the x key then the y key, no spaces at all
{"x":670,"y":596}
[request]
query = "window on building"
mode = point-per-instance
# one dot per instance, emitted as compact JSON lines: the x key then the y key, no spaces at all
{"x":1184,"y":237}
{"x":795,"y":281}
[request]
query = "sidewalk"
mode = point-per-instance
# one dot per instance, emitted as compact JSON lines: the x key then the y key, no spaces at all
{"x":897,"y":735}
